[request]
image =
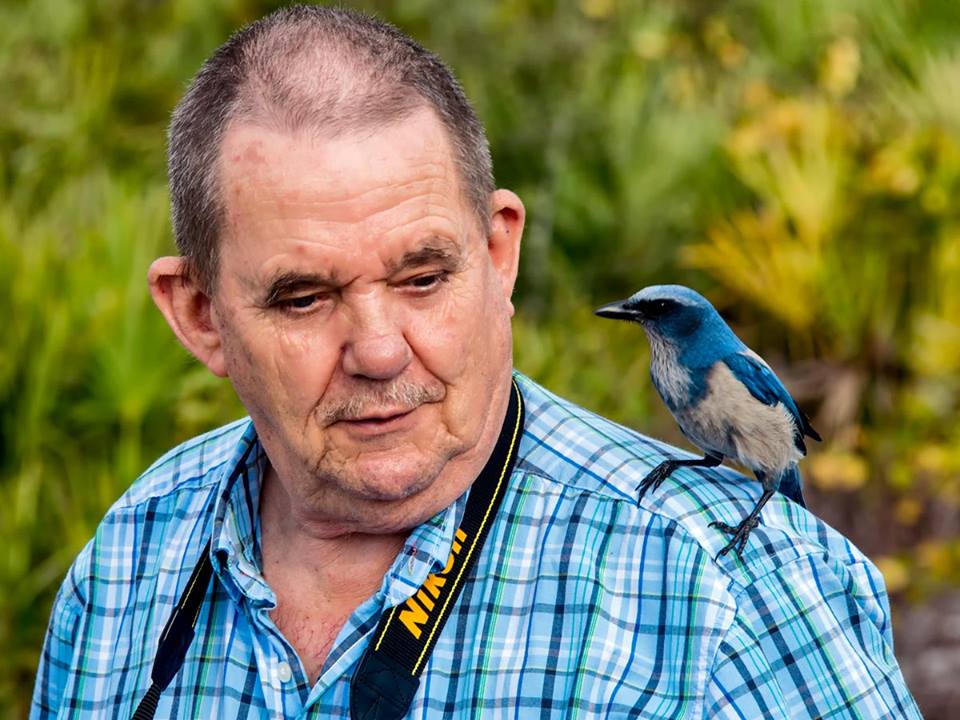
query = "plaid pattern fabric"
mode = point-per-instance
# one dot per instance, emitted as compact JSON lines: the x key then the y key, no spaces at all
{"x":582,"y":604}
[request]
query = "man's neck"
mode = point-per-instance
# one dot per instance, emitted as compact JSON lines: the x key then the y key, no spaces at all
{"x":324,"y":558}
{"x":318,"y":580}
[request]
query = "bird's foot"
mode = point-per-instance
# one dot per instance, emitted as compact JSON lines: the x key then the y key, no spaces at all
{"x":740,"y":534}
{"x":655,"y":477}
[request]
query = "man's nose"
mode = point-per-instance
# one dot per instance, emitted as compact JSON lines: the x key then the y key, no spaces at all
{"x":376,"y":347}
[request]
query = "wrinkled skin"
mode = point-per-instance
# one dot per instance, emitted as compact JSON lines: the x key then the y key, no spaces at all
{"x":377,"y":371}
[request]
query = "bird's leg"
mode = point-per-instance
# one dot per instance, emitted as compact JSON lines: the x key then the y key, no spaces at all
{"x":742,"y":531}
{"x":662,"y":471}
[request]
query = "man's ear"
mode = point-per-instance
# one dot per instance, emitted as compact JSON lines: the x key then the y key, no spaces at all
{"x":187,"y":310}
{"x":506,"y":228}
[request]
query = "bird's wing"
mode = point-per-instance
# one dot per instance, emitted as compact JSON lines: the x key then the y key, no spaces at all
{"x":766,"y":387}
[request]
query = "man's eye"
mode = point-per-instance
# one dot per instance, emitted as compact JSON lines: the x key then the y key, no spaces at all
{"x":300,"y":303}
{"x":425,"y":282}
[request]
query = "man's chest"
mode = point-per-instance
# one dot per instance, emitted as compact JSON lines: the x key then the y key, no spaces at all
{"x":311,"y":629}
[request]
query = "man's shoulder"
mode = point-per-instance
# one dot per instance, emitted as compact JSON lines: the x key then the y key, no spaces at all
{"x":582,"y":452}
{"x":581,"y":449}
{"x":190,"y":467}
{"x":161,"y":513}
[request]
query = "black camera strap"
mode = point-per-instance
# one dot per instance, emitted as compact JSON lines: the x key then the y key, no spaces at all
{"x":176,"y":636}
{"x":384,"y":684}
{"x":389,"y":673}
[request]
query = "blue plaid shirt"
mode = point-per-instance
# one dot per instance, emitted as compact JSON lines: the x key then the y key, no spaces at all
{"x":582,"y":604}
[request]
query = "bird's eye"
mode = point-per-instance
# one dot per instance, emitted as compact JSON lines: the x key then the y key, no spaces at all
{"x":659,"y":307}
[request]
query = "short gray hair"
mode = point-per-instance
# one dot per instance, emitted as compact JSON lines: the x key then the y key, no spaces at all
{"x":307,"y":66}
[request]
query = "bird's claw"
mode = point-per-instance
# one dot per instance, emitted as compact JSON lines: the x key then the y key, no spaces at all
{"x":654,"y":478}
{"x":740,"y":534}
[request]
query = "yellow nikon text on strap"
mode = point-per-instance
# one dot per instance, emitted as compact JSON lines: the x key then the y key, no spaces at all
{"x":421,"y":605}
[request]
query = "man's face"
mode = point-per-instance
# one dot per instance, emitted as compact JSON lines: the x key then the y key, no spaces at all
{"x":364,"y":320}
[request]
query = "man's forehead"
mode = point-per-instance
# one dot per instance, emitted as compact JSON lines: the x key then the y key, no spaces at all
{"x":269,"y":176}
{"x":260,"y":143}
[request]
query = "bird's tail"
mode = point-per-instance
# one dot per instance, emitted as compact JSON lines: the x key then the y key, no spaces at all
{"x":790,"y":485}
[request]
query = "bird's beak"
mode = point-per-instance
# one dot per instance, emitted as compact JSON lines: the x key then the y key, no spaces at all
{"x":616,"y":311}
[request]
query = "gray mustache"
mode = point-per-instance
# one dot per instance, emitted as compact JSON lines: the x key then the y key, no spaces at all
{"x":368,"y":398}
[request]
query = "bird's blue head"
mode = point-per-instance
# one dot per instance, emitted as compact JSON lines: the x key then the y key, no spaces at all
{"x":672,"y":312}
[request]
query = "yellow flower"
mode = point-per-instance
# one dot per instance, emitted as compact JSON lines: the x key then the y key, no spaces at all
{"x":837,"y":470}
{"x":895,"y":573}
{"x":908,"y":511}
{"x":717,"y":36}
{"x":649,"y":43}
{"x":597,"y":9}
{"x":840,"y":67}
{"x":756,"y":93}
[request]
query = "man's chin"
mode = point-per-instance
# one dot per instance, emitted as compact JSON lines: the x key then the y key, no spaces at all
{"x":393,"y":492}
{"x":389,"y":481}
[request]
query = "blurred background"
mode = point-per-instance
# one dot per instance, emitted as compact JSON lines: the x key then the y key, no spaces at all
{"x":795,"y":161}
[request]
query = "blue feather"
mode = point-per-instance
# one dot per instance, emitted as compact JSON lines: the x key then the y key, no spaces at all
{"x":712,"y":341}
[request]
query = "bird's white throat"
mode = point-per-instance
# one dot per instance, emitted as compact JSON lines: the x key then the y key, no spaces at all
{"x":669,"y":377}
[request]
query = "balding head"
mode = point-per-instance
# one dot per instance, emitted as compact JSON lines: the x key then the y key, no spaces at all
{"x":307,"y":68}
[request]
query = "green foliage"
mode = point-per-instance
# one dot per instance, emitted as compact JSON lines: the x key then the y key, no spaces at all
{"x":794,"y":160}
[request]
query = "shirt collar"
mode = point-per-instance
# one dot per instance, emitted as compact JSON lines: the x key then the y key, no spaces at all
{"x":425,"y":551}
{"x":235,"y":542}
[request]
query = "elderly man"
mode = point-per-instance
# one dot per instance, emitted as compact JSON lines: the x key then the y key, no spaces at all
{"x":404,"y":527}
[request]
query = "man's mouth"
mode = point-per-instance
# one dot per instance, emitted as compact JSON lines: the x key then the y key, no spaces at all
{"x":379,"y":421}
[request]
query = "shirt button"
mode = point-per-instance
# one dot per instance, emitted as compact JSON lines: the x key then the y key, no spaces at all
{"x":284,"y":673}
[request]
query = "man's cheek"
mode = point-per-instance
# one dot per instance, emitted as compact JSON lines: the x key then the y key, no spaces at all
{"x":298,"y":345}
{"x":443,"y":345}
{"x":303,"y":362}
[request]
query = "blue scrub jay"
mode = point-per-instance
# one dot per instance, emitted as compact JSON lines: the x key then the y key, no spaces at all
{"x":726,"y":399}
